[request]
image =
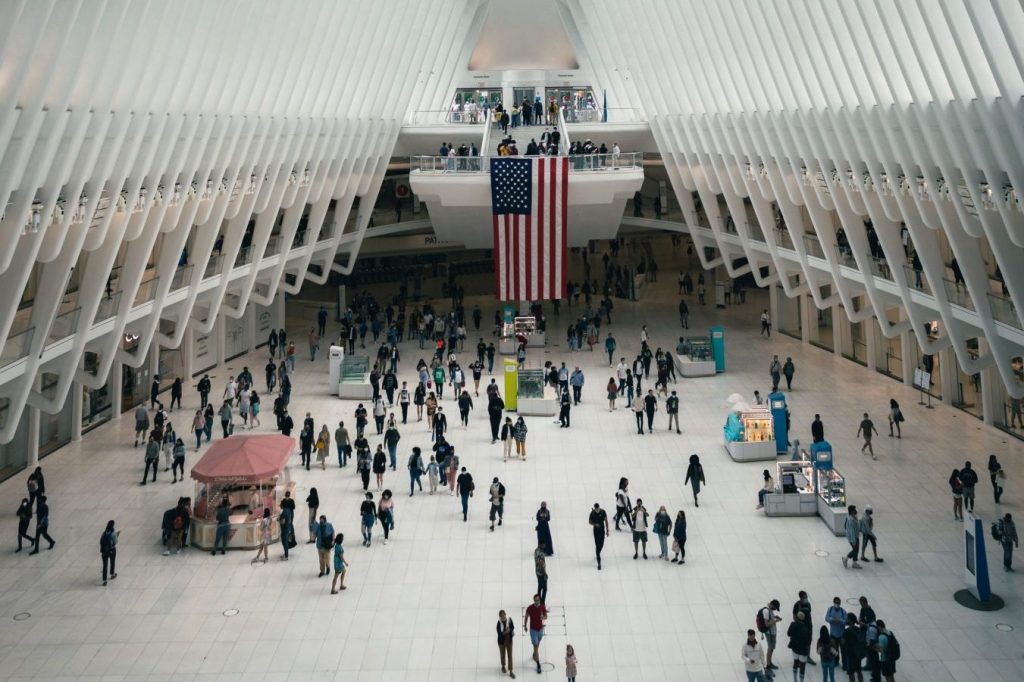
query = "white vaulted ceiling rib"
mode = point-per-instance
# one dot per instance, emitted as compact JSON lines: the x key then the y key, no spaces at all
{"x":125,"y":125}
{"x":896,"y":111}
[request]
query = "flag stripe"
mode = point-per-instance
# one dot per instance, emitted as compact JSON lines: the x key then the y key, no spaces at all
{"x":563,"y":259}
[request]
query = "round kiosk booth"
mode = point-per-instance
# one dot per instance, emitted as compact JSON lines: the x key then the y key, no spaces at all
{"x":250,"y":471}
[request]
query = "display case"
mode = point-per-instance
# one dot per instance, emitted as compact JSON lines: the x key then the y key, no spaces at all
{"x":354,"y":378}
{"x":831,"y":489}
{"x":519,"y":330}
{"x":754,"y":441}
{"x":697,"y":358}
{"x":794,"y":494}
{"x":534,"y":397}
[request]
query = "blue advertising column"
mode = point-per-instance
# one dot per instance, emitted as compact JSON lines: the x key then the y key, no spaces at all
{"x":978,"y":595}
{"x":777,"y":403}
{"x":717,"y":335}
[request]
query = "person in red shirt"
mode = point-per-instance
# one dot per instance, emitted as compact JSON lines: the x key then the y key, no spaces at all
{"x":536,"y":614}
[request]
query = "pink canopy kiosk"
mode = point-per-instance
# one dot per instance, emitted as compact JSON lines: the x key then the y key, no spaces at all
{"x":250,"y":472}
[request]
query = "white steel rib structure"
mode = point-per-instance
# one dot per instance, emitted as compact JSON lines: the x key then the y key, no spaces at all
{"x":166,"y":167}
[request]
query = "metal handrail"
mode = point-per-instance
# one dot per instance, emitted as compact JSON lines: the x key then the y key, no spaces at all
{"x":146,"y":292}
{"x":437,"y":116}
{"x":17,"y":347}
{"x":478,"y":164}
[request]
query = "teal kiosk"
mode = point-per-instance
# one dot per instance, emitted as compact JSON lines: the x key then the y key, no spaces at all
{"x":717,"y":335}
{"x":777,"y":403}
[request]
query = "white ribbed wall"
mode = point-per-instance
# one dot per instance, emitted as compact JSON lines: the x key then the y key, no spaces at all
{"x":823,"y":107}
{"x":269,"y":105}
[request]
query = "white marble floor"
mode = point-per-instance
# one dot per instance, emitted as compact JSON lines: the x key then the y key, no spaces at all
{"x":424,"y":606}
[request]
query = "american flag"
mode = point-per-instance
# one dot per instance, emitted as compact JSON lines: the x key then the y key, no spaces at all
{"x":529,"y":201}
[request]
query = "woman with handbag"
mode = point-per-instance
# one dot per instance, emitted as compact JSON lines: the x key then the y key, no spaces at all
{"x":895,"y":417}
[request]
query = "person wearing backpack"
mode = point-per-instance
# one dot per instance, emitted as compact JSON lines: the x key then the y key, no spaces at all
{"x":1008,"y":539}
{"x":766,"y":620}
{"x":888,"y":651}
{"x":828,"y":652}
{"x":108,"y":551}
{"x":799,"y":633}
{"x":968,"y":479}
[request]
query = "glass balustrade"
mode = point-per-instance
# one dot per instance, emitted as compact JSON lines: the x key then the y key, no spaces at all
{"x":481,"y":164}
{"x":813,"y":247}
{"x":1003,"y":310}
{"x":17,"y":347}
{"x":64,"y":325}
{"x":213,"y":266}
{"x":182,"y":277}
{"x":146,"y":292}
{"x":957,"y":294}
{"x":108,"y":307}
{"x":244,"y":256}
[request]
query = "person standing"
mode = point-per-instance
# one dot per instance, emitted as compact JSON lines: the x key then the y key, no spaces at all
{"x":141,"y":423}
{"x":957,"y":489}
{"x":828,"y":652}
{"x":543,"y":528}
{"x":204,"y":387}
{"x":639,"y":524}
{"x":695,"y":477}
{"x":817,"y":429}
{"x":340,"y":564}
{"x":565,"y":405}
{"x":803,"y":605}
{"x":570,"y":663}
{"x":506,"y":635}
{"x":507,"y":438}
{"x":853,"y":649}
{"x":599,"y":526}
{"x":609,"y":346}
{"x":152,"y":459}
{"x":835,"y":618}
{"x":178,"y":461}
{"x":108,"y":551}
{"x":888,"y":651}
{"x":541,"y":569}
{"x":364,"y":460}
{"x":787,"y":371}
{"x":380,"y":465}
{"x":497,"y":495}
{"x":968,"y":479}
{"x":432,"y":475}
{"x":1008,"y":539}
{"x":367,"y":517}
{"x":775,"y":372}
{"x":623,"y":507}
{"x":176,"y":393}
{"x":533,"y":621}
{"x":464,"y":487}
{"x":766,"y":323}
{"x":223,"y":533}
{"x":799,"y":634}
{"x":403,"y":401}
{"x":679,"y":538}
{"x":767,"y":621}
{"x":286,"y":522}
{"x":867,"y":427}
{"x":519,"y":435}
{"x":264,"y":531}
{"x":324,"y":533}
{"x":495,"y":407}
{"x":386,"y":514}
{"x":870,"y":627}
{"x":662,"y":527}
{"x":753,"y":658}
{"x":672,"y":408}
{"x":341,"y":441}
{"x":576,"y":380}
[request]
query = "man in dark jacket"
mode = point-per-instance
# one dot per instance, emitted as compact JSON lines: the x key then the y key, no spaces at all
{"x":495,"y":406}
{"x":817,"y":429}
{"x":464,"y":488}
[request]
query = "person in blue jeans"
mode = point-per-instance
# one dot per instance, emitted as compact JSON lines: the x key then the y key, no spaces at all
{"x":415,"y":470}
{"x":464,"y":488}
{"x":828,"y":652}
{"x":753,"y":658}
{"x":223,"y":526}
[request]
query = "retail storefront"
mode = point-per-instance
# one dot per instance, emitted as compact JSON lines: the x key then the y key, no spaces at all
{"x":204,"y":351}
{"x":236,"y":337}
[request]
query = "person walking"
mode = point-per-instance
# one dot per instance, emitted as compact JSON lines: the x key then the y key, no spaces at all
{"x":416,"y":470}
{"x":638,"y":413}
{"x":753,"y":658}
{"x":226,"y":419}
{"x":997,"y":476}
{"x":24,"y":514}
{"x":533,"y":621}
{"x":386,"y":514}
{"x":639,"y":525}
{"x":340,"y":564}
{"x":1007,"y":531}
{"x":152,"y":458}
{"x":519,"y":432}
{"x":695,"y":477}
{"x":867,"y":531}
{"x":787,"y":371}
{"x":828,"y":652}
{"x":380,"y":411}
{"x":178,"y":461}
{"x":364,"y":461}
{"x":324,"y":532}
{"x":497,"y":496}
{"x":464,"y":487}
{"x":866,"y":428}
{"x":852,"y":529}
{"x":342,"y":442}
{"x":957,"y":489}
{"x":108,"y":551}
{"x":968,"y":479}
{"x":799,"y":633}
{"x":465,"y":403}
{"x":571,"y":663}
{"x":380,"y":465}
{"x":404,"y":399}
{"x":662,"y":527}
{"x":42,"y":525}
{"x":141,"y":424}
{"x":391,"y":438}
{"x":679,"y":538}
{"x":264,"y":534}
{"x":506,"y":630}
{"x":543,"y":528}
{"x":541,"y":569}
{"x":612,"y":390}
{"x":323,"y":446}
{"x":609,"y":346}
{"x":775,"y":372}
{"x":766,"y":324}
{"x":367,"y":517}
{"x":623,"y":507}
{"x":495,"y":408}
{"x":507,"y":438}
{"x":672,"y":408}
{"x":895,"y":418}
{"x":565,"y":406}
{"x":432,"y":475}
{"x":650,"y":407}
{"x":598,"y":521}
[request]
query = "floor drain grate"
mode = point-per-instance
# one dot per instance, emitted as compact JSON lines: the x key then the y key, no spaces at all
{"x":24,"y":615}
{"x":230,"y":612}
{"x":1004,"y":627}
{"x":822,"y":553}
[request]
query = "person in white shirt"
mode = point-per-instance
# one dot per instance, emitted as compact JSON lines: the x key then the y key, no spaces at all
{"x":753,"y":658}
{"x":620,"y":374}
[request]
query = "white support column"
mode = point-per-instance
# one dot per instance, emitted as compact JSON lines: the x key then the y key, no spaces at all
{"x":154,"y":359}
{"x":187,"y":347}
{"x":808,"y":319}
{"x":77,"y":401}
{"x":991,"y":407}
{"x":840,"y":329}
{"x":909,"y":362}
{"x":873,"y":343}
{"x":115,"y":397}
{"x":250,"y":324}
{"x":218,"y":339}
{"x":34,"y":423}
{"x":773,"y":304}
{"x":279,"y":309}
{"x":949,"y":379}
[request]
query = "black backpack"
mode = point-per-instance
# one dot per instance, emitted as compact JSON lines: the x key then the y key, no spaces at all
{"x":892,"y":652}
